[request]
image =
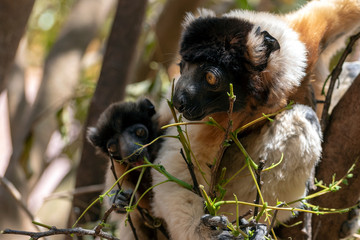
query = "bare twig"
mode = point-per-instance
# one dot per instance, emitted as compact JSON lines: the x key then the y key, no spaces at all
{"x":272,"y":224}
{"x":58,"y":231}
{"x":104,"y":219}
{"x":133,"y":229}
{"x":214,"y":169}
{"x":334,"y":76}
{"x":258,"y":180}
{"x":190,"y":166}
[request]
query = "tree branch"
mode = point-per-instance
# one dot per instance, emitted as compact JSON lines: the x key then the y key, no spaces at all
{"x":67,"y":231}
{"x":258,"y":180}
{"x":223,"y":146}
{"x":59,"y":231}
{"x":334,"y":76}
{"x":190,"y":166}
{"x":16,"y":195}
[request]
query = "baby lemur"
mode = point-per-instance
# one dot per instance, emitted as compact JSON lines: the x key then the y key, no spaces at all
{"x":120,"y":132}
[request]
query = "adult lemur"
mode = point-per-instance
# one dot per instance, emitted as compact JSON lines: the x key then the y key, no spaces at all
{"x":269,"y":60}
{"x":119,"y":133}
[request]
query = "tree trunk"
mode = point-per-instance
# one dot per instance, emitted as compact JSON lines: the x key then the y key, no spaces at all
{"x":114,"y":76}
{"x":13,"y":18}
{"x":168,"y":30}
{"x":341,"y":148}
{"x":61,"y":74}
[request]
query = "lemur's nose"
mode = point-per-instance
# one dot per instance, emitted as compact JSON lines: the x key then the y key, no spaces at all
{"x":179,"y":102}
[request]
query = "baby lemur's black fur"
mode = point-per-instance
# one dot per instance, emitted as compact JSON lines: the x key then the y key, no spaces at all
{"x":122,"y":129}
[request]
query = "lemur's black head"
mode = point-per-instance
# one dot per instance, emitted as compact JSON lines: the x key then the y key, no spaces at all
{"x":122,"y":128}
{"x":216,"y":52}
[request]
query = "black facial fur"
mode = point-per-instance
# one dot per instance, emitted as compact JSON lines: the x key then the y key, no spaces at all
{"x":123,"y":127}
{"x":196,"y":98}
{"x":221,"y":41}
{"x":219,"y":46}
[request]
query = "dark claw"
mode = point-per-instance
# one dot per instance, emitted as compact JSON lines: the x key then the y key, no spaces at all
{"x":225,"y":235}
{"x":217,"y":227}
{"x":218,"y":230}
{"x":260,"y":232}
{"x":214,"y":221}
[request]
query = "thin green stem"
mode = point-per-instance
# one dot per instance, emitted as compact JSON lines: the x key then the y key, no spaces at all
{"x":185,"y":142}
{"x":265,"y":116}
{"x":42,"y":225}
{"x":135,"y":190}
{"x":254,"y":178}
{"x":176,"y":124}
{"x":233,"y":176}
{"x":146,"y":145}
{"x":209,"y":203}
{"x":243,"y":150}
{"x":162,"y":170}
{"x":274,"y":165}
{"x":326,"y":189}
{"x":219,"y":203}
{"x":87,"y":209}
{"x":148,"y":190}
{"x":263,"y":210}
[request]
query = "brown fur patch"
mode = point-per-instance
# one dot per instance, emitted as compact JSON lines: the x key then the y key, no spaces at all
{"x":323,"y":27}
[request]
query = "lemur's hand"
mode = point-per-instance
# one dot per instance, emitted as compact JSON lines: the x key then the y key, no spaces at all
{"x":215,"y":228}
{"x":121,"y":199}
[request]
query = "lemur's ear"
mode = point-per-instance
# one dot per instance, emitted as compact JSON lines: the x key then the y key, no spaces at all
{"x":147,"y":107}
{"x":270,"y":42}
{"x":260,"y":45}
{"x":202,"y":13}
{"x":92,"y":136}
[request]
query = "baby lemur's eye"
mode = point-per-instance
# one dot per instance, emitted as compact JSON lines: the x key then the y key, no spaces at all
{"x":210,"y":78}
{"x":112,"y":146}
{"x":141,"y":132}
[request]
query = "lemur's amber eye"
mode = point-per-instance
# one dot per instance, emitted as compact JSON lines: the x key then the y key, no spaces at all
{"x":210,"y":78}
{"x":141,"y":132}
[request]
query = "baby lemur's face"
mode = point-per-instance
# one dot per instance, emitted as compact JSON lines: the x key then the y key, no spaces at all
{"x":123,"y":128}
{"x":126,"y":145}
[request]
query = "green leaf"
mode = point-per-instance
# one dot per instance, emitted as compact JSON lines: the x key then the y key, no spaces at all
{"x":345,"y":181}
{"x":227,"y":143}
{"x":243,"y":4}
